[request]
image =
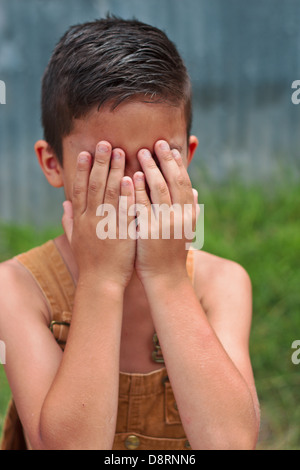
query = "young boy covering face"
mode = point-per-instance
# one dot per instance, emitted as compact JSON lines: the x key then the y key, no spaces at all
{"x":116,"y":111}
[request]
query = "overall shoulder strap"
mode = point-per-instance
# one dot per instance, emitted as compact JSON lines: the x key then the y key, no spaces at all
{"x":49,"y":270}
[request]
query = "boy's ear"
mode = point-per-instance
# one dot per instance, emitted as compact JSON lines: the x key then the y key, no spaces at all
{"x":49,"y":163}
{"x":193,"y":144}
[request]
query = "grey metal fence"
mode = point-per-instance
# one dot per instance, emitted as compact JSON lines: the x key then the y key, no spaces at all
{"x":242,"y":57}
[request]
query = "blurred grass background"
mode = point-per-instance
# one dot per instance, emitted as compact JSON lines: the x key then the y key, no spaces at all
{"x":257,"y":226}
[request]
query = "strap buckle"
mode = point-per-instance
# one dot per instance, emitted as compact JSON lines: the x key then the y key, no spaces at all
{"x":157,"y":353}
{"x":58,"y":323}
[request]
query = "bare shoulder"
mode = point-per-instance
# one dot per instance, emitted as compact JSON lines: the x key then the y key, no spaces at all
{"x":18,"y":289}
{"x":223,"y":287}
{"x":211,"y":270}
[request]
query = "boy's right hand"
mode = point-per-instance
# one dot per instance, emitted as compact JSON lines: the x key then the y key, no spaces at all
{"x":111,"y":260}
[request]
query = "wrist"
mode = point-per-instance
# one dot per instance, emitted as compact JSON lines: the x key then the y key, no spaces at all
{"x":166,"y":281}
{"x":96,"y":282}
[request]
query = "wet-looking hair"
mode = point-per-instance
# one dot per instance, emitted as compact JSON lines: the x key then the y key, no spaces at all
{"x":108,"y":61}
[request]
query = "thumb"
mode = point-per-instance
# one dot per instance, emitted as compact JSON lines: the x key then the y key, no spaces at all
{"x":195,"y":193}
{"x":67,"y":219}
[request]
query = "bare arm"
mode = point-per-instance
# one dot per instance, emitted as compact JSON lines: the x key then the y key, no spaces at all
{"x":210,"y":374}
{"x":80,"y":409}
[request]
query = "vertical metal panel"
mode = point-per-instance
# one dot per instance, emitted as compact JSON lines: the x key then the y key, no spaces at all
{"x":242,"y":57}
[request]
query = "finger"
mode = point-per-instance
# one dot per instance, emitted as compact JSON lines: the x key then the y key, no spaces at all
{"x":80,"y":185}
{"x":184,"y":179}
{"x":98,"y":176}
{"x":127,"y":189}
{"x":195,"y":194}
{"x":159,"y":192}
{"x":67,"y":219}
{"x":126,"y":208}
{"x":170,"y":170}
{"x":116,"y":173}
{"x":143,"y":204}
{"x":141,"y":196}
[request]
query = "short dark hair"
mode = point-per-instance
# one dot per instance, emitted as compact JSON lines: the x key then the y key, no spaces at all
{"x":108,"y":61}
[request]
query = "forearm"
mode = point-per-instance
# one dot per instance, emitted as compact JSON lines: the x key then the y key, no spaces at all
{"x":214,"y":401}
{"x":80,"y":409}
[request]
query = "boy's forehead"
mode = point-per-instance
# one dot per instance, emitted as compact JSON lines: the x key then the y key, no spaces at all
{"x":130,"y":126}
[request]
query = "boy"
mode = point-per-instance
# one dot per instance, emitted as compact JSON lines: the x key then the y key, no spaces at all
{"x":116,"y":111}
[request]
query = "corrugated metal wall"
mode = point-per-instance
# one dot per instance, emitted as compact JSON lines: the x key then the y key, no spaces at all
{"x":242,"y":56}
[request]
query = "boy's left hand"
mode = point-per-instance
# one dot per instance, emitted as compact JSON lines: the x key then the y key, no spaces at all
{"x":164,"y":257}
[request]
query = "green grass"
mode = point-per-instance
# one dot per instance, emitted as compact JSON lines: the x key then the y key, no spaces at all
{"x":4,"y":395}
{"x":257,"y":226}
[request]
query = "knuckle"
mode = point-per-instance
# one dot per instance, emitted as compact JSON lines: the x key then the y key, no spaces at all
{"x":144,"y":201}
{"x":77,"y":189}
{"x":93,"y":186}
{"x":151,"y":164}
{"x":161,"y":188}
{"x":179,"y":160}
{"x":100,"y":162}
{"x":189,"y":187}
{"x":188,"y":182}
{"x":180,"y":181}
{"x":167,"y":157}
{"x":142,"y":198}
{"x":111,"y":193}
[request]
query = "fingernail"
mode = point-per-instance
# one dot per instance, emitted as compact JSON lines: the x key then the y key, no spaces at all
{"x":145,"y":153}
{"x":139,"y":176}
{"x":164,"y":146}
{"x":125,"y":182}
{"x":83,"y":157}
{"x":116,"y":154}
{"x":176,"y":153}
{"x":102,"y":148}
